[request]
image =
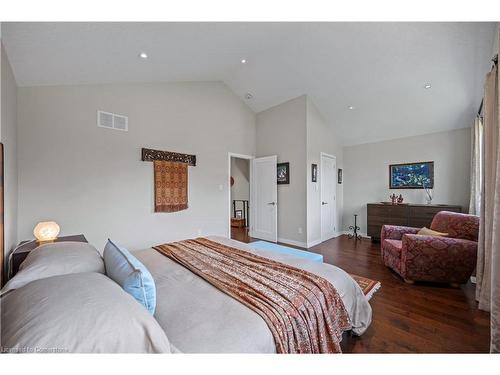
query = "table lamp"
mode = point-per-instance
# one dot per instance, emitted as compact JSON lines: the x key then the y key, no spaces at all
{"x":46,"y":231}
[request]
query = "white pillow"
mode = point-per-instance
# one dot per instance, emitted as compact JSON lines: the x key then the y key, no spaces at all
{"x":77,"y":313}
{"x":57,"y":258}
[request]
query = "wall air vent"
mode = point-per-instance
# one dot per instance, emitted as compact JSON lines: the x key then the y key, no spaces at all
{"x":112,"y":121}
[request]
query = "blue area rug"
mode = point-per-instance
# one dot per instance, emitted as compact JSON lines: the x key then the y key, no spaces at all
{"x":286,"y":250}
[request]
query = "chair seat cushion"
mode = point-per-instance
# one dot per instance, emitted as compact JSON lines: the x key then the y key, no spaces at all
{"x":392,"y":254}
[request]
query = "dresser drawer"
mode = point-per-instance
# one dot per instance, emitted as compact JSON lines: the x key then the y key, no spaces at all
{"x":421,"y":216}
{"x":385,"y":214}
{"x":412,"y":215}
{"x":388,"y":210}
{"x":389,"y":220}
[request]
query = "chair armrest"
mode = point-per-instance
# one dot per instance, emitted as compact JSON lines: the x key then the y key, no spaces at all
{"x":436,"y":258}
{"x":396,"y":232}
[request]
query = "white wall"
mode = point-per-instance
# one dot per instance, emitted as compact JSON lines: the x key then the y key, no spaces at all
{"x":9,"y":140}
{"x":281,"y":130}
{"x":320,"y":138}
{"x":91,"y":180}
{"x":366,"y":172}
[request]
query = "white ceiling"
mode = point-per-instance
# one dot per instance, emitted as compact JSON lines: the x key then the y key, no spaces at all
{"x":379,"y":68}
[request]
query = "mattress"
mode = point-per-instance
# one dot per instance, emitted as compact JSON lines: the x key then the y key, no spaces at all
{"x":199,"y":318}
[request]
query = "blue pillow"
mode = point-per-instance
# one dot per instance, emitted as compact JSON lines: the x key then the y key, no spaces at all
{"x":130,"y":274}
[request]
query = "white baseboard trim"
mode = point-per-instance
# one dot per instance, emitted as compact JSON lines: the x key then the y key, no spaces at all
{"x":292,"y":242}
{"x":283,"y":240}
{"x":362,"y":234}
{"x":318,"y":241}
{"x":313,"y":243}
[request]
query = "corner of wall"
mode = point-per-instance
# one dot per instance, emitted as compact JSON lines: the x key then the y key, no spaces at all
{"x":240,"y":99}
{"x":8,"y":134}
{"x":321,"y":137}
{"x":281,"y":131}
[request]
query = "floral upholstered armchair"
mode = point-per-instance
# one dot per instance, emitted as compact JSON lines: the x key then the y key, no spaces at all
{"x":450,"y":259}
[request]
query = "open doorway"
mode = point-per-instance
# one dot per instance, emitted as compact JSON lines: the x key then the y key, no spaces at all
{"x":240,"y":197}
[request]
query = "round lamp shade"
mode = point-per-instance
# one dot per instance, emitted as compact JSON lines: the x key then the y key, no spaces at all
{"x":46,"y":231}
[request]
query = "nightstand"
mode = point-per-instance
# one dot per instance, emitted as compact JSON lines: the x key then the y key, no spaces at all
{"x":22,"y":250}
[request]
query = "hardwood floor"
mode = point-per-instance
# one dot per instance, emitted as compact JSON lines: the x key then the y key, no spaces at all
{"x":419,"y":318}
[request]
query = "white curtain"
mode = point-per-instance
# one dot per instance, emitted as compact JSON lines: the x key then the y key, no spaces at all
{"x":488,"y":266}
{"x":477,"y":166}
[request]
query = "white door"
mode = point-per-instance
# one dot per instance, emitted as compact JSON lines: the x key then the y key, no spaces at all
{"x":264,"y":199}
{"x":328,"y":196}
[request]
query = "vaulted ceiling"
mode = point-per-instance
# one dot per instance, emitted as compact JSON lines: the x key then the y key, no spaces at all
{"x":379,"y":69}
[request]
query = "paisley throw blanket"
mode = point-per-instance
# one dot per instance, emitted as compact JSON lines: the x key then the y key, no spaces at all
{"x":303,"y":311}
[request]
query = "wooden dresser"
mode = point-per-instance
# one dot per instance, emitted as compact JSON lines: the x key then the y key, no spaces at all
{"x":411,"y":215}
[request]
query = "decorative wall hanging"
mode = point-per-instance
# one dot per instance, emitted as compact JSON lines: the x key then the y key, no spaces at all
{"x":283,"y":173}
{"x":411,"y":175}
{"x":170,"y":178}
{"x":152,"y":155}
{"x":314,"y":173}
{"x":339,"y":176}
{"x":171,"y":186}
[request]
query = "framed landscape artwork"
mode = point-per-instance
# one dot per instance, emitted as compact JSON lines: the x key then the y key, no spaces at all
{"x":283,"y":173}
{"x":411,"y":175}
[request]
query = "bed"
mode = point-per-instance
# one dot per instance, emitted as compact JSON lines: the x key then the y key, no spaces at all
{"x":198,"y":318}
{"x":40,"y":308}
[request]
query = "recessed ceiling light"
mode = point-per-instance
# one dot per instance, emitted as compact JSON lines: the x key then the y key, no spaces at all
{"x":427,"y":86}
{"x":243,"y":61}
{"x":351,"y":107}
{"x":248,"y":96}
{"x":143,"y":55}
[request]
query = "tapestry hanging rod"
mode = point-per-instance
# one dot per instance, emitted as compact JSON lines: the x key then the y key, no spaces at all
{"x":151,"y":155}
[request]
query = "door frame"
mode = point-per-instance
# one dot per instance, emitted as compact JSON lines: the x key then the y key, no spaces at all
{"x":228,"y":182}
{"x":324,"y":154}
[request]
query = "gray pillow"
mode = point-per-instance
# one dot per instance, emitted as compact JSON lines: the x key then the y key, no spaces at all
{"x":77,"y":313}
{"x":58,"y":258}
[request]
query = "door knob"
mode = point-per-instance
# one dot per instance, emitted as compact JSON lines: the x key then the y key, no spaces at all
{"x":323,"y":203}
{"x":272,"y":203}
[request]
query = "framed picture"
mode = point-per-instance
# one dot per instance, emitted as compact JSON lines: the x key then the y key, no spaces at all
{"x":411,"y":175}
{"x":283,"y":173}
{"x":314,"y":173}
{"x":339,"y":176}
